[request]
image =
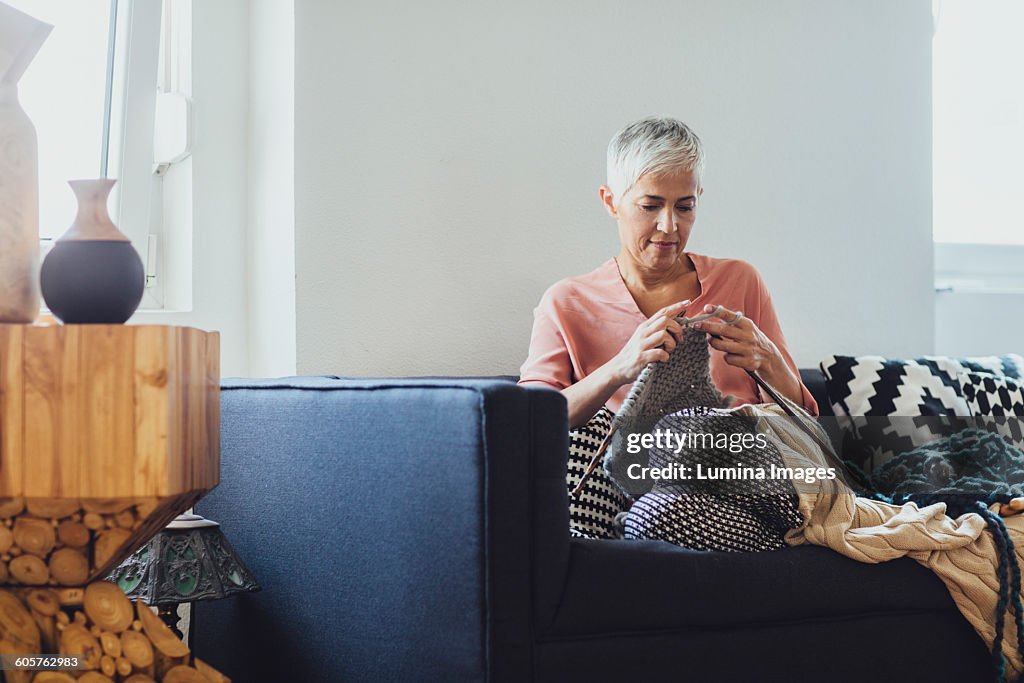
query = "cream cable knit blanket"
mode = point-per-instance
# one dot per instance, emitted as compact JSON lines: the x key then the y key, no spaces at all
{"x":957,"y":550}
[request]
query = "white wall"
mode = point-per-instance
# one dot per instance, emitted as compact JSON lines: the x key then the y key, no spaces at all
{"x":448,"y":154}
{"x":271,"y":200}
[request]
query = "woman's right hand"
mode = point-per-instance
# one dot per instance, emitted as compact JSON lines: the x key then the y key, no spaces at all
{"x":653,"y":341}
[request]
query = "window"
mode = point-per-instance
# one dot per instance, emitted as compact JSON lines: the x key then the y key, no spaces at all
{"x":978,"y":121}
{"x":978,"y":140}
{"x":108,"y":95}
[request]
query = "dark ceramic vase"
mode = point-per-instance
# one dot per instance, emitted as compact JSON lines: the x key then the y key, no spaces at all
{"x":92,"y":274}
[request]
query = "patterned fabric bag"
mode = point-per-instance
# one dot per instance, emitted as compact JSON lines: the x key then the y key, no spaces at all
{"x":733,"y":514}
{"x":592,"y":513}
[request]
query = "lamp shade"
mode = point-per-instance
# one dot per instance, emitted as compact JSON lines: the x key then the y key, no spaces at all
{"x":189,"y":560}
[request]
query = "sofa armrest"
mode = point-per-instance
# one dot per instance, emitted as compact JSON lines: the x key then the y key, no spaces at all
{"x":395,"y":525}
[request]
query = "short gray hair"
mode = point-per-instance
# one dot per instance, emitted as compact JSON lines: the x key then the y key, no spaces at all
{"x":657,"y":144}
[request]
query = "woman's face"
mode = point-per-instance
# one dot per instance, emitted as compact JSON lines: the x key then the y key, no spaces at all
{"x":655,"y":217}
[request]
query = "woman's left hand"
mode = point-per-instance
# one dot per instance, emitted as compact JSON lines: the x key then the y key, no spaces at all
{"x":745,"y":345}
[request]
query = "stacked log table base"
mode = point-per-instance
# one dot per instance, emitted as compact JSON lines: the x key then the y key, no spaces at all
{"x":118,"y":641}
{"x":63,"y":542}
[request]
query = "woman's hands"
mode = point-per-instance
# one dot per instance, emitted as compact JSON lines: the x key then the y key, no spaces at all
{"x":745,"y":346}
{"x":653,"y":340}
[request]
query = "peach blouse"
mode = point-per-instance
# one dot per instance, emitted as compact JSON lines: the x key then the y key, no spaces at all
{"x":582,"y":322}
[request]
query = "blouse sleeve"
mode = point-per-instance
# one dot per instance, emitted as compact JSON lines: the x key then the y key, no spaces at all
{"x":768,"y":322}
{"x":548,"y":361}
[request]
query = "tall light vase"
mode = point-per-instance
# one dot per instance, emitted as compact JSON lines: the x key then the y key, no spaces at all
{"x":21,"y":36}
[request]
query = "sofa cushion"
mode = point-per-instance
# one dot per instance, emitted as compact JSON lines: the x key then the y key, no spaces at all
{"x":620,"y":587}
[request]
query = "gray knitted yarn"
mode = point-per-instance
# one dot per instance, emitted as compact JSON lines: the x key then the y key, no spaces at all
{"x":741,"y":515}
{"x":681,"y":382}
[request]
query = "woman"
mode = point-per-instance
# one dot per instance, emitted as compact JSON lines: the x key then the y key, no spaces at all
{"x":593,"y":334}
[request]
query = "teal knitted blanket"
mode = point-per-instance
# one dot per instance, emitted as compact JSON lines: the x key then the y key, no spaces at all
{"x":968,"y":471}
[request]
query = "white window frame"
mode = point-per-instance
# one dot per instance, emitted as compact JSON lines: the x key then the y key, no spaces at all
{"x":979,"y":268}
{"x":150,"y":114}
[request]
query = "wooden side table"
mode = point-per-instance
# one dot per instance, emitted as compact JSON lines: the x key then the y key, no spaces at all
{"x":103,"y":416}
{"x":107,"y":432}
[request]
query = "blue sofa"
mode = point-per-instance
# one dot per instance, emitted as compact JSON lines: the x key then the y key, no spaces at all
{"x":416,"y":530}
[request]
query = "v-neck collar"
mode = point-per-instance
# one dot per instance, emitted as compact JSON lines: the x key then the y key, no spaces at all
{"x":624,"y":295}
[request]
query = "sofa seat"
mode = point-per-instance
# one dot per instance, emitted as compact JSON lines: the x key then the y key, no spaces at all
{"x":652,"y":611}
{"x":616,"y":587}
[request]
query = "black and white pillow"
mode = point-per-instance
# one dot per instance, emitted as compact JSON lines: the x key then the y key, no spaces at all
{"x":893,"y":405}
{"x":998,"y":401}
{"x":592,"y":515}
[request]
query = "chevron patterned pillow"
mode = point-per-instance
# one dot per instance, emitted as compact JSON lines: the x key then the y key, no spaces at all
{"x":891,"y":405}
